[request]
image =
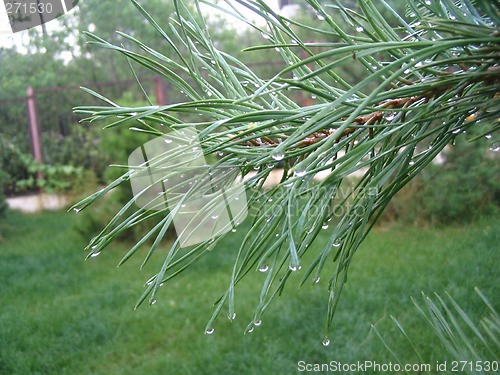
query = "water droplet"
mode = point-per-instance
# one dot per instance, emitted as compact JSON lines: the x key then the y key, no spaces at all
{"x":277,"y":49}
{"x":220,"y":153}
{"x":153,"y":301}
{"x":270,"y":200}
{"x":233,"y":230}
{"x":277,"y":234}
{"x":232,"y":317}
{"x":209,"y":93}
{"x":278,"y":156}
{"x":313,"y":96}
{"x":316,"y":280}
{"x":215,"y":217}
{"x":326,"y":341}
{"x":209,"y":331}
{"x":257,"y":323}
{"x":418,"y":65}
{"x":320,"y":16}
{"x":93,"y":255}
{"x":324,"y":226}
{"x":183,"y":205}
{"x":263,"y":268}
{"x":294,"y":41}
{"x":299,"y":173}
{"x":390,"y":117}
{"x":360,"y":29}
{"x":488,"y":136}
{"x":336,"y":243}
{"x":168,"y":140}
{"x":76,"y":209}
{"x":411,"y":163}
{"x":250,"y":330}
{"x":213,"y":63}
{"x":407,"y":71}
{"x":294,"y":268}
{"x":265,"y":35}
{"x":495,"y":147}
{"x":165,"y":180}
{"x":457,"y":131}
{"x":428,"y":2}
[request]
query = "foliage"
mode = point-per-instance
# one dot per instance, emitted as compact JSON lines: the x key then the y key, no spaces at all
{"x":461,"y":187}
{"x":474,"y":347}
{"x":20,"y":172}
{"x":427,"y":79}
{"x":3,"y":199}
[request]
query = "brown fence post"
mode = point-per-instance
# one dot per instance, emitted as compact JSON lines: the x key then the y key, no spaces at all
{"x":36,"y":144}
{"x":160,"y":92}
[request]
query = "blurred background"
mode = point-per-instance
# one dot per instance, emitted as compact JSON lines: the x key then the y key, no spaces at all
{"x":60,"y":314}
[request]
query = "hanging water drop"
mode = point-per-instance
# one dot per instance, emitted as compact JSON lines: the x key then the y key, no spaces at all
{"x":324,"y":226}
{"x":214,"y":217}
{"x":457,"y":131}
{"x":407,"y":71}
{"x":257,"y":323}
{"x":390,"y":117}
{"x":278,"y":156}
{"x":336,"y":243}
{"x":316,"y":280}
{"x":263,"y":268}
{"x":428,"y":2}
{"x":360,"y":29}
{"x":488,"y":136}
{"x":76,"y":209}
{"x":93,"y":255}
{"x":299,"y":173}
{"x":320,"y":16}
{"x":411,"y":163}
{"x":495,"y":147}
{"x":153,"y":301}
{"x":168,"y":140}
{"x":209,"y":331}
{"x":233,"y":230}
{"x":326,"y":341}
{"x":250,"y":330}
{"x":232,"y":317}
{"x":265,"y":35}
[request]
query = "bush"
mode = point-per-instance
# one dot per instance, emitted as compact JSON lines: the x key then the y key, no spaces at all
{"x":3,"y":199}
{"x":460,"y":189}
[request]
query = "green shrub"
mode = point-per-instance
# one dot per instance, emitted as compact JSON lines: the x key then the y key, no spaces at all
{"x":3,"y":199}
{"x":463,"y":187}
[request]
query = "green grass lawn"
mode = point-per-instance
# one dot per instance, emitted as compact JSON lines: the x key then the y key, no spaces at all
{"x":60,"y":314}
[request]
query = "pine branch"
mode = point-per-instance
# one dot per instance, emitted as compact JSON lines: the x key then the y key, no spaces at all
{"x":421,"y":84}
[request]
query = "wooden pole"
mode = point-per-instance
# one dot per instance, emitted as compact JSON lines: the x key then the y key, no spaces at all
{"x":36,"y":144}
{"x":160,"y":92}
